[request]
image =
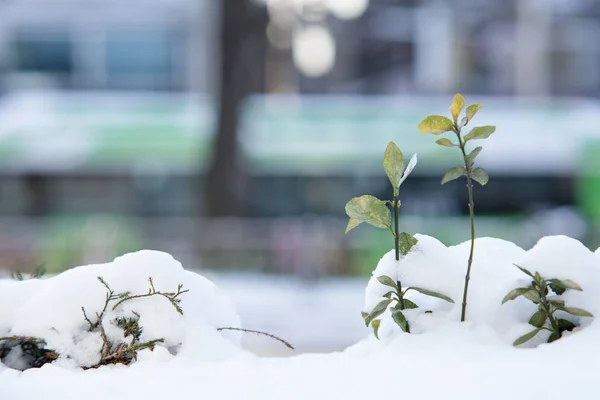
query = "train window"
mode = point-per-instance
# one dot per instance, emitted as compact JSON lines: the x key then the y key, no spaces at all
{"x":142,"y":60}
{"x":43,"y":51}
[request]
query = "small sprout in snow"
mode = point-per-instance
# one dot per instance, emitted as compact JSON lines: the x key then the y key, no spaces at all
{"x":39,"y":272}
{"x":385,"y":214}
{"x":544,"y":318}
{"x":396,"y":295}
{"x":438,"y":124}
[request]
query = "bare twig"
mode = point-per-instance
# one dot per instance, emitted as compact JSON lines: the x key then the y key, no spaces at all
{"x":287,"y":344}
{"x":172,"y":297}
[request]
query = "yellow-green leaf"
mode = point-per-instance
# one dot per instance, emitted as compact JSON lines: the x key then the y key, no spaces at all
{"x":353,"y":223}
{"x":480,"y":175}
{"x":375,"y":324}
{"x":453,"y":173}
{"x":435,"y":124}
{"x":480,"y":132}
{"x":472,"y":155}
{"x":393,"y":164}
{"x":445,"y":142}
{"x":371,"y":210}
{"x":471,"y":111}
{"x":457,"y":105}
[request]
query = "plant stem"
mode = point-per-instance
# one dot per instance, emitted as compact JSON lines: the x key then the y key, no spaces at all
{"x":397,"y":234}
{"x":463,"y":313}
{"x":546,"y":307}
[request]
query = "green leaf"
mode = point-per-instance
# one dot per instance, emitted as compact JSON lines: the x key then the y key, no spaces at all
{"x":565,"y":325}
{"x":375,"y":324}
{"x":387,"y":281}
{"x":472,"y":155}
{"x":393,"y":164}
{"x":480,"y":175}
{"x":513,"y":294}
{"x":553,"y":337}
{"x":526,"y":337}
{"x":453,"y":173}
{"x":389,"y":294}
{"x":431,"y":293}
{"x":556,"y":288}
{"x":538,"y":279}
{"x":377,"y":311}
{"x":532,"y":295}
{"x":445,"y":142}
{"x":577,"y":311}
{"x":479,"y":132}
{"x":352,"y":223}
{"x":565,"y":283}
{"x":407,"y":241}
{"x":557,"y":303}
{"x":457,"y":105}
{"x":471,"y":111}
{"x":435,"y":124}
{"x":400,"y":319}
{"x":409,"y":305}
{"x":524,"y":270}
{"x":371,"y":210}
{"x":538,"y":319}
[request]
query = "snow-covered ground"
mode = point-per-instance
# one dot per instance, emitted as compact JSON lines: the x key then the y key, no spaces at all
{"x":441,"y":359}
{"x":315,"y":316}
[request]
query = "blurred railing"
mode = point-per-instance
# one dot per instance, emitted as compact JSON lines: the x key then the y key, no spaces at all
{"x":307,"y":246}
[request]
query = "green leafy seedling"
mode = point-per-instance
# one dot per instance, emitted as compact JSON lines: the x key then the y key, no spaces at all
{"x":437,"y":125}
{"x":385,"y":215}
{"x":544,"y":318}
{"x":396,"y":295}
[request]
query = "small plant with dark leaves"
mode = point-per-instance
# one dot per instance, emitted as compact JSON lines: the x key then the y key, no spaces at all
{"x":38,"y":273}
{"x":396,"y":295}
{"x":544,"y":319}
{"x":437,"y":125}
{"x":385,"y":215}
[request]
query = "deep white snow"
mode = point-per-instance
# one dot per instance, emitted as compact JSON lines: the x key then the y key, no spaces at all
{"x":443,"y":358}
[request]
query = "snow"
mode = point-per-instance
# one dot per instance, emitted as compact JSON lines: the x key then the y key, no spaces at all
{"x":52,"y":309}
{"x":443,"y":358}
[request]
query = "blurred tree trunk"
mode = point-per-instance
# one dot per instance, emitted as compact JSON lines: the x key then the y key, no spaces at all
{"x":242,"y":46}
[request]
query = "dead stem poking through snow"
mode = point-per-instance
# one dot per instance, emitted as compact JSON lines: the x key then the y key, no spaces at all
{"x":270,"y":335}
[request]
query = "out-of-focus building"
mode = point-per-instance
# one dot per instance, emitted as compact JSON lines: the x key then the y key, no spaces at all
{"x":108,"y":45}
{"x":107,"y":108}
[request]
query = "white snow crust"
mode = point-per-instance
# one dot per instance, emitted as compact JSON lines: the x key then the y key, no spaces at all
{"x":442,"y":358}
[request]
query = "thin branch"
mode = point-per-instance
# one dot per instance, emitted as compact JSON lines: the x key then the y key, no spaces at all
{"x":172,"y":297}
{"x":287,"y":344}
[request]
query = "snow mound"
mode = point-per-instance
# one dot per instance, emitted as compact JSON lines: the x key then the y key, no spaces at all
{"x":432,"y":265}
{"x":52,"y":309}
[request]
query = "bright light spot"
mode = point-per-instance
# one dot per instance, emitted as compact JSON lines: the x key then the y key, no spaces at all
{"x":347,"y":9}
{"x":314,"y":51}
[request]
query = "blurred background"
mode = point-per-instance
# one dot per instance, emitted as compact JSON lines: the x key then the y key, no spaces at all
{"x":231,"y":133}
